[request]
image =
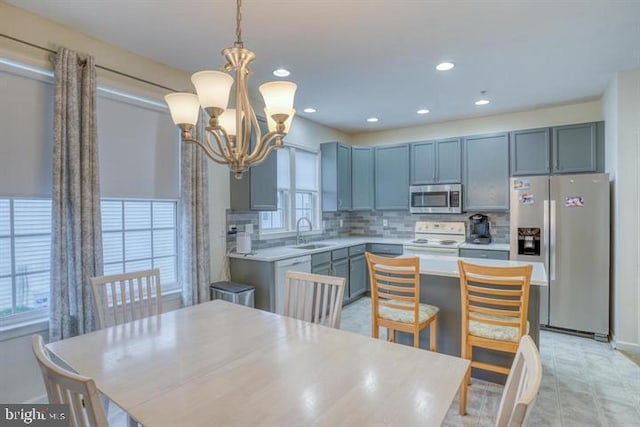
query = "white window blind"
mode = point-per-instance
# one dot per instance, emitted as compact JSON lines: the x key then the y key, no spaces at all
{"x":306,"y":171}
{"x":26,"y":121}
{"x":139,"y":148}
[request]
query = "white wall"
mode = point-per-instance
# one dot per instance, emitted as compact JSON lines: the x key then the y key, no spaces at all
{"x":582,"y":112}
{"x":622,"y":113}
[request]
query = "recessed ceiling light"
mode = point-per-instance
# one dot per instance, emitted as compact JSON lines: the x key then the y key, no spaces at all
{"x":281,"y":72}
{"x":482,"y":102}
{"x":422,"y":111}
{"x":372,"y":119}
{"x":445,"y":66}
{"x":309,"y":110}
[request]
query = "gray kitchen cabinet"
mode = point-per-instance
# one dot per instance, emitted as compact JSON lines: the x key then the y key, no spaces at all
{"x":575,"y":148}
{"x":336,"y":176}
{"x":486,"y":172}
{"x":357,"y":276}
{"x":530,"y":152}
{"x":423,"y":162}
{"x":257,"y":190}
{"x":484,"y":253}
{"x":361,"y":178}
{"x":448,"y":157}
{"x":392,"y":177}
{"x":340,"y":268}
{"x":435,"y":161}
{"x":324,"y":269}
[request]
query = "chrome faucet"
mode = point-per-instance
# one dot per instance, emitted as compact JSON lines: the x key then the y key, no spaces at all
{"x":298,"y":228}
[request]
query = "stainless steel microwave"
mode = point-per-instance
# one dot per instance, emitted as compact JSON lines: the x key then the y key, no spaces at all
{"x":441,"y":198}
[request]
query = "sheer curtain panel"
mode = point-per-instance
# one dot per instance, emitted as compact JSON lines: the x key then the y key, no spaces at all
{"x":76,"y":239}
{"x":194,"y":209}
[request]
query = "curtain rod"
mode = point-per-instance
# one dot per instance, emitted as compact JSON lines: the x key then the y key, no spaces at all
{"x":111,"y":70}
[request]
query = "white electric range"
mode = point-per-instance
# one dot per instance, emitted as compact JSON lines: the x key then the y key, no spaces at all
{"x":436,"y":238}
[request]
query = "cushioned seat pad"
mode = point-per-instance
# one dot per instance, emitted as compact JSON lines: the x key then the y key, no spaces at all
{"x":494,"y":332}
{"x":425,"y":312}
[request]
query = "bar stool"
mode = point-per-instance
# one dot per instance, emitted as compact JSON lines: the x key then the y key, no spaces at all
{"x":395,"y":299}
{"x":494,"y":304}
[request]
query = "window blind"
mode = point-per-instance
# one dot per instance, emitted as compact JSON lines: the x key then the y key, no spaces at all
{"x":26,"y":120}
{"x":139,"y":149}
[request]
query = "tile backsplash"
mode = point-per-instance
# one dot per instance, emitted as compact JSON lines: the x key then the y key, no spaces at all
{"x":362,"y":223}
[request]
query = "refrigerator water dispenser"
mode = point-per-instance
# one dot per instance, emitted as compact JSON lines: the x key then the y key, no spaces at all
{"x":529,"y":241}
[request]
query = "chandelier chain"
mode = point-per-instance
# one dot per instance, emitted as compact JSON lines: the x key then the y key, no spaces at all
{"x":238,"y":23}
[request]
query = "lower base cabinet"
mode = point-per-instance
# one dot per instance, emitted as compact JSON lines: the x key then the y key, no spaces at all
{"x":349,"y":263}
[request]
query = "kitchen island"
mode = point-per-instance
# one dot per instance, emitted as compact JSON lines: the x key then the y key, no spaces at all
{"x":440,"y":286}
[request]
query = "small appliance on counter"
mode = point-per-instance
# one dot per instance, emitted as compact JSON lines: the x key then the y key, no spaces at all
{"x":480,"y":230}
{"x":243,"y":241}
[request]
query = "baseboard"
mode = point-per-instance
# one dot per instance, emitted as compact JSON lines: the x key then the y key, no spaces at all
{"x":39,"y":399}
{"x":625,"y":346}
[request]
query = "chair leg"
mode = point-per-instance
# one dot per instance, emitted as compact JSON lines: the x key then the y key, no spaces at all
{"x":433,"y":335}
{"x":374,"y":328}
{"x":470,"y":357}
{"x":416,"y":338}
{"x":465,"y":381}
{"x":391,"y":335}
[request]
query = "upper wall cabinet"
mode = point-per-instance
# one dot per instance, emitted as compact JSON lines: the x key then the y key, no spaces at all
{"x":392,"y":177}
{"x":563,"y":149}
{"x":530,"y":151}
{"x":336,"y":176}
{"x":257,"y":190}
{"x":486,"y":172}
{"x":361,"y":178}
{"x":575,"y":148}
{"x":435,"y":162}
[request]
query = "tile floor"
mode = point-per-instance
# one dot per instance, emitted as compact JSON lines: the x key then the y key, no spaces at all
{"x":585,"y":383}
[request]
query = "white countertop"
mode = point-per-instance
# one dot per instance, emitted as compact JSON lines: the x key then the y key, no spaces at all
{"x":489,"y":247}
{"x":283,"y":252}
{"x":437,"y":265}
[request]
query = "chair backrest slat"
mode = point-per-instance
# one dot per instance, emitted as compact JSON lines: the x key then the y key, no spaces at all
{"x":488,"y":292}
{"x":63,"y":386}
{"x":125,"y":297}
{"x":321,"y":303}
{"x":522,"y":385}
{"x":395,"y":283}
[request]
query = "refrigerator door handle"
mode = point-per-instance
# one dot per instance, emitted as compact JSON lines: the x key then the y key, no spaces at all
{"x":545,"y":235}
{"x":552,"y":239}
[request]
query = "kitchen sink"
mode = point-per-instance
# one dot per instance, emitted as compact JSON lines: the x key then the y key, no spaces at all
{"x":312,"y":246}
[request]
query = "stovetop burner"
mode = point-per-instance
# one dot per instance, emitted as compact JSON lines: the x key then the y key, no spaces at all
{"x":436,"y":242}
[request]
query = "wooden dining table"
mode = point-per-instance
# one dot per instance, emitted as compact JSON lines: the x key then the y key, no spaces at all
{"x":220,"y":364}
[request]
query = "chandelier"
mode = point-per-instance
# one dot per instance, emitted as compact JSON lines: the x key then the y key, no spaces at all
{"x":227,"y":137}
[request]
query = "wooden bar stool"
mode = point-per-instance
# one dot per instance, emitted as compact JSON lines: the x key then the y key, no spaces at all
{"x":495,"y":302}
{"x":395,"y":299}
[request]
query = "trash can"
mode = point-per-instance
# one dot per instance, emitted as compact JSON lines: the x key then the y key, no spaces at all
{"x":237,"y":293}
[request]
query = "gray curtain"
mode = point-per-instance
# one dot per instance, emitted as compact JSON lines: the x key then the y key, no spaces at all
{"x":194,"y":219}
{"x":76,"y":238}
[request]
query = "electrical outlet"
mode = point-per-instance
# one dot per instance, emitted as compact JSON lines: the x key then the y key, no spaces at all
{"x":233,"y":229}
{"x":385,"y":222}
{"x":248,"y":228}
{"x":341,"y":222}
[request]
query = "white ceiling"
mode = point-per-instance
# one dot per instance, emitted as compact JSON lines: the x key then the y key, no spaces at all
{"x":353,"y":59}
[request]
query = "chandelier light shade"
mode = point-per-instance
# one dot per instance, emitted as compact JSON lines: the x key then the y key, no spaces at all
{"x":229,"y":130}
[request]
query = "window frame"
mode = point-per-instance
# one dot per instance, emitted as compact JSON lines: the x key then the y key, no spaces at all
{"x":167,"y":288}
{"x":36,"y":314}
{"x":289,"y":202}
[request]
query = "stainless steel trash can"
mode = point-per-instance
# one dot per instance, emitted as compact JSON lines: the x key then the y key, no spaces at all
{"x":237,"y":293}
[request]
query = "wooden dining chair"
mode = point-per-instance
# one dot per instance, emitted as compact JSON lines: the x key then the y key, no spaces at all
{"x":121,"y":298}
{"x":522,"y":385}
{"x":395,"y":299}
{"x":314,"y":298}
{"x":65,"y":387}
{"x":494,"y":305}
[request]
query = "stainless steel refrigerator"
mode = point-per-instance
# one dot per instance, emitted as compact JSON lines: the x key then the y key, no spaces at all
{"x":563,"y":221}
